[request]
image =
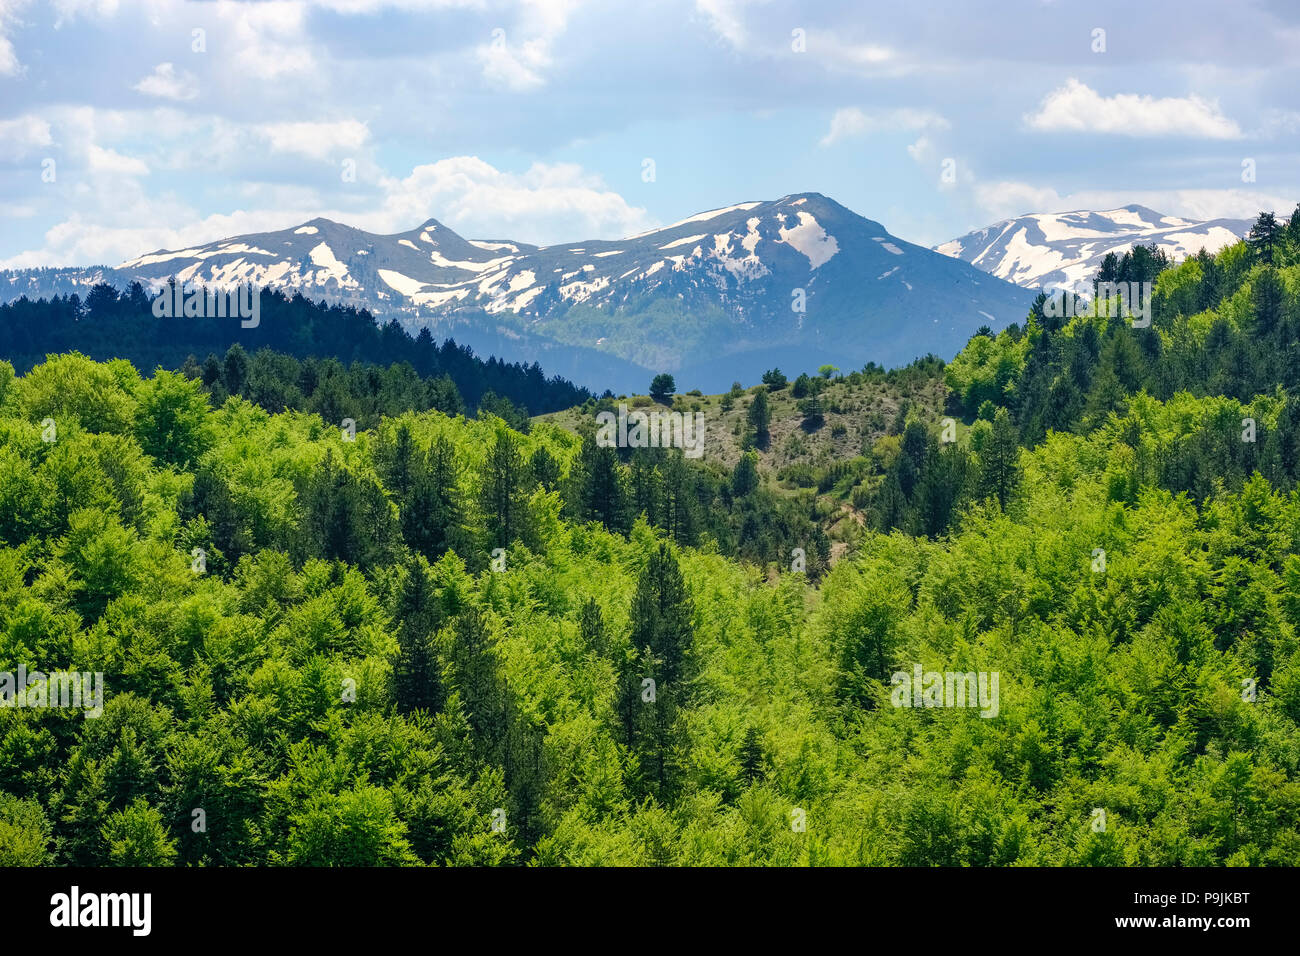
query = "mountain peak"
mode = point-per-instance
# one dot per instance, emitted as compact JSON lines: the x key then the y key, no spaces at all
{"x":1054,"y":250}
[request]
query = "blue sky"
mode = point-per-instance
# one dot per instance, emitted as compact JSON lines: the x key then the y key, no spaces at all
{"x":129,"y":126}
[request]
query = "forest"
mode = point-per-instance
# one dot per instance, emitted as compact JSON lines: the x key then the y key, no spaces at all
{"x":482,"y":639}
{"x":109,"y":324}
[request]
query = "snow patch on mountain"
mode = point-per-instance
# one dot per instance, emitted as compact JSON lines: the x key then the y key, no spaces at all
{"x":811,"y":239}
{"x":1055,"y":250}
{"x":682,"y":241}
{"x":403,"y":284}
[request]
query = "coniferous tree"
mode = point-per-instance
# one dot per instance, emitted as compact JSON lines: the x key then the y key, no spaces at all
{"x":662,"y":388}
{"x":1000,"y":461}
{"x":545,"y":469}
{"x":752,"y":758}
{"x":662,"y":614}
{"x":502,"y":497}
{"x":1263,"y":237}
{"x":591,"y":627}
{"x":432,"y":513}
{"x":417,"y":675}
{"x":759,"y":418}
{"x":477,"y":677}
{"x":744,"y":478}
{"x":234,"y":371}
{"x":678,"y":500}
{"x":599,"y":489}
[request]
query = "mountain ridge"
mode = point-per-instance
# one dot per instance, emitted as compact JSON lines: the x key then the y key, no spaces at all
{"x":1063,"y":249}
{"x":718,"y":295}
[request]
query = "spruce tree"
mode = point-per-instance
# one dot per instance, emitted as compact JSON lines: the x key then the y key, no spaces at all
{"x":759,"y":418}
{"x":1000,"y":460}
{"x":752,"y":758}
{"x":417,"y":676}
{"x":662,"y":613}
{"x":502,"y":495}
{"x":591,"y":627}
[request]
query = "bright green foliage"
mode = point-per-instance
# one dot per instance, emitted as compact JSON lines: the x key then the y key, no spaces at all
{"x":355,"y":678}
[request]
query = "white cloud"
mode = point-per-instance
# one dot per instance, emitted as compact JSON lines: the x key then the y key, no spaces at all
{"x":515,"y":69}
{"x":68,"y":11}
{"x":830,"y":48}
{"x":316,"y":140}
{"x":851,"y":56}
{"x":102,"y":160}
{"x":269,"y":38}
{"x":168,"y":84}
{"x":519,"y":64}
{"x":362,"y":7}
{"x":922,"y":150}
{"x":851,"y":122}
{"x":101,"y":241}
{"x":1004,"y":200}
{"x":9,"y":64}
{"x":19,"y":137}
{"x":725,"y":18}
{"x":547,"y":203}
{"x":544,"y":204}
{"x":1007,"y":199}
{"x":1076,"y":107}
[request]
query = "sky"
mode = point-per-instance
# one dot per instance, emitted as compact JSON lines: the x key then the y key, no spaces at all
{"x":128,"y":126}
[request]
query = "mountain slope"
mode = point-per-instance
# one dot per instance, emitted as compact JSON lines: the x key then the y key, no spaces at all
{"x":721,"y":295}
{"x":1052,"y":250}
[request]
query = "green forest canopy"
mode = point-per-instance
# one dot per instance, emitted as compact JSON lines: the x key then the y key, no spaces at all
{"x":359,"y":677}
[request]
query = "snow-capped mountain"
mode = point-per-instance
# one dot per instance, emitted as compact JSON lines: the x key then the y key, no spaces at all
{"x":722,"y":295}
{"x":1055,"y":250}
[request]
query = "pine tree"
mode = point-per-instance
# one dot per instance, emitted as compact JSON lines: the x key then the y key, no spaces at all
{"x":759,"y":418}
{"x":1267,"y":297}
{"x":662,"y":613}
{"x":678,"y":499}
{"x":545,"y":469}
{"x":1263,"y":236}
{"x":650,"y":710}
{"x":599,"y":488}
{"x":752,"y":758}
{"x":591,"y":628}
{"x":477,"y":678}
{"x":417,"y":675}
{"x":502,"y":497}
{"x":432,"y":513}
{"x":234,"y":372}
{"x":662,"y":388}
{"x":891,"y":504}
{"x":647,"y":486}
{"x":1000,"y":460}
{"x":744,"y":478}
{"x":523,"y":765}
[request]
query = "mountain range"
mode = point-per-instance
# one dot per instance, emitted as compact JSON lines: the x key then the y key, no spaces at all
{"x":1056,"y":250}
{"x":720,"y":296}
{"x":794,"y":283}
